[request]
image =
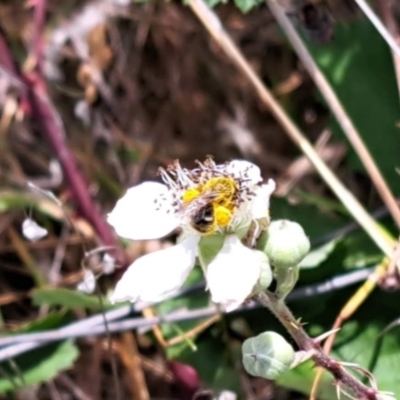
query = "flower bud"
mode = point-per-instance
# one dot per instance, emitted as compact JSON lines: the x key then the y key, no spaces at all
{"x":267,"y":355}
{"x":265,"y":279}
{"x":287,"y":244}
{"x":286,"y":279}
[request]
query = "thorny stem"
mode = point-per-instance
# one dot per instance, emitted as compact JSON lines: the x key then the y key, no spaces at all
{"x":306,"y":343}
{"x":34,"y":92}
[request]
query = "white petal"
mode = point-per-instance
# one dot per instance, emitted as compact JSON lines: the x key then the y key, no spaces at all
{"x":227,"y":395}
{"x":32,"y":230}
{"x":157,"y":275}
{"x":260,"y":204}
{"x":88,"y":283}
{"x":254,"y":209}
{"x":108,"y":264}
{"x":233,"y":273}
{"x":144,"y":212}
{"x":245,"y":170}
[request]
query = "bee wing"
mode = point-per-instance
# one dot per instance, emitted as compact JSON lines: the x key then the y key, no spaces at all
{"x":191,"y":207}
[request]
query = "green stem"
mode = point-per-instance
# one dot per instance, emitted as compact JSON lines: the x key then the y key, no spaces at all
{"x":286,"y":279}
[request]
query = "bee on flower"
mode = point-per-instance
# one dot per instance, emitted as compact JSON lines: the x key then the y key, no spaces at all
{"x":212,"y":203}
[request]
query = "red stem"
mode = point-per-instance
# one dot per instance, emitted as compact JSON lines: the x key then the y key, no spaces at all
{"x":53,"y":129}
{"x":39,"y":26}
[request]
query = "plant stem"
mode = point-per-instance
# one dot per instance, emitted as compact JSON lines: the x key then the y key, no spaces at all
{"x":215,"y":27}
{"x":306,"y":343}
{"x":35,"y":95}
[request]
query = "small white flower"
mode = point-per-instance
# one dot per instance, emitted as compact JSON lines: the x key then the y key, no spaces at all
{"x":108,"y":264}
{"x":227,"y":395}
{"x":210,"y":199}
{"x":32,"y":230}
{"x":88,"y":283}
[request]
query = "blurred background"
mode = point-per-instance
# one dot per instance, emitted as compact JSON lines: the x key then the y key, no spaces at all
{"x":95,"y":96}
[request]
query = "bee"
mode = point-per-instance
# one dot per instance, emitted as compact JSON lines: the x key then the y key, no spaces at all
{"x":199,"y":213}
{"x":203,"y":219}
{"x":200,"y":210}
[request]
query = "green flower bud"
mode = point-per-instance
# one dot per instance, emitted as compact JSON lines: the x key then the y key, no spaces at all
{"x":267,"y":355}
{"x":265,"y":279}
{"x":287,"y":244}
{"x":286,"y":279}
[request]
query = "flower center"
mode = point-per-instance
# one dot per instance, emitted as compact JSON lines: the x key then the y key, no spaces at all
{"x":211,"y":205}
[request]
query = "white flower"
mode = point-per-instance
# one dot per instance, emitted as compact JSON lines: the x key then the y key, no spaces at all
{"x":32,"y":230}
{"x":88,"y":283}
{"x":210,"y":199}
{"x":108,"y":264}
{"x":227,"y":395}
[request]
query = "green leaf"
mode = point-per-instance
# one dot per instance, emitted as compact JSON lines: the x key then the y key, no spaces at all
{"x":67,"y":298}
{"x":37,"y":366}
{"x":359,"y":66}
{"x":10,"y":200}
{"x":315,"y":257}
{"x":301,"y":380}
{"x":41,"y":364}
{"x":50,"y":321}
{"x":246,"y":5}
{"x":315,"y":222}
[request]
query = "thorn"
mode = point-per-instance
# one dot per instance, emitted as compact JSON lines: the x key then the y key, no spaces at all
{"x":364,"y":372}
{"x":383,"y":395}
{"x":338,"y":391}
{"x":325,"y":335}
{"x":302,"y":356}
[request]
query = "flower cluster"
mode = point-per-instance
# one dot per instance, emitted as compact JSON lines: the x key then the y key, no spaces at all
{"x":222,"y":201}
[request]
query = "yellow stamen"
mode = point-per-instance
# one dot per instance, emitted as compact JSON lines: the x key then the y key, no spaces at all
{"x":222,"y":215}
{"x":219,"y":195}
{"x":224,"y":189}
{"x":190,"y":195}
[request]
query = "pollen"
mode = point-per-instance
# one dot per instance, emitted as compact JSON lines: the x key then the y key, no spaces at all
{"x":223,"y":216}
{"x":211,"y":197}
{"x":190,"y":195}
{"x":224,"y":190}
